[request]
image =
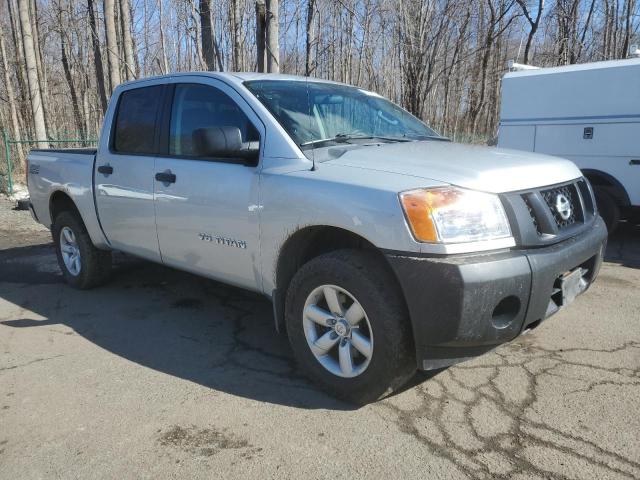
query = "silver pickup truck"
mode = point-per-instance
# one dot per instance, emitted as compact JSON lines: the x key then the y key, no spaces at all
{"x":384,"y":247}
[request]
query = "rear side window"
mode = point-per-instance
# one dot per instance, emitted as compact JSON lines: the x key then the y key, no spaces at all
{"x":136,"y":120}
{"x":197,"y":106}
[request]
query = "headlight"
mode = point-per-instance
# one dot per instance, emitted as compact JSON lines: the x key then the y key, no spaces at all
{"x":454,"y":215}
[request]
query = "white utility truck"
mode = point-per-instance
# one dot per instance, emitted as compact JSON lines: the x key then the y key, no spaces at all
{"x":588,"y":113}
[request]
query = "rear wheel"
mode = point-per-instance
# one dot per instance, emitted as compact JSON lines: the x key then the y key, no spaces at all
{"x":608,"y":209}
{"x":83,"y":265}
{"x":348,"y":326}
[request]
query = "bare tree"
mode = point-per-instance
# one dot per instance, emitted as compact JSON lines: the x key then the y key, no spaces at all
{"x":571,"y":36}
{"x":164,"y":66}
{"x":534,"y":23}
{"x":127,"y":41}
{"x":210,"y":51}
{"x":236,"y":26}
{"x":32,"y":73}
{"x":11,"y":98}
{"x":112,"y":44}
{"x":97,"y":57}
{"x":309,"y":38}
{"x":497,"y":22}
{"x":272,"y":34}
{"x":261,"y":26}
{"x":63,"y":32}
{"x":628,"y":26}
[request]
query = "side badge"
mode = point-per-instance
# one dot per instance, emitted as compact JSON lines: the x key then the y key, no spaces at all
{"x":229,"y":242}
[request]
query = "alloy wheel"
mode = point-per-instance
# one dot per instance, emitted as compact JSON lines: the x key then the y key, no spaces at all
{"x":70,"y":251}
{"x":338,"y":331}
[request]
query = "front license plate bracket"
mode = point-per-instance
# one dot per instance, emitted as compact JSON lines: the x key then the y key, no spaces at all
{"x":572,"y":284}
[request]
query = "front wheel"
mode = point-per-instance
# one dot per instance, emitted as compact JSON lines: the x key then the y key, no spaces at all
{"x":83,"y":265}
{"x":349,"y":327}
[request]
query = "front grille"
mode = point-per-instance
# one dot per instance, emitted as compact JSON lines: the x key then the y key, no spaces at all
{"x":564,"y":204}
{"x":532,"y":214}
{"x":550,"y":214}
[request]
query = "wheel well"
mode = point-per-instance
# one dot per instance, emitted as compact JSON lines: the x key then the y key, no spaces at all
{"x":61,"y":202}
{"x":307,"y":244}
{"x":608,"y":183}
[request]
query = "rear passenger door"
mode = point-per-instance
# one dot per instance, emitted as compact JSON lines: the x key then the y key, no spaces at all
{"x":207,"y":208}
{"x":124,"y":173}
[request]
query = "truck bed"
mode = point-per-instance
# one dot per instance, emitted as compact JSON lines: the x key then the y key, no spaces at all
{"x":64,"y":171}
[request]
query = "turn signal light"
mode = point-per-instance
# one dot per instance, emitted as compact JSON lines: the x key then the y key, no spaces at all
{"x":417,"y":206}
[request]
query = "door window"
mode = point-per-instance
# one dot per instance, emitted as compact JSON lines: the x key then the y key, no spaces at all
{"x":136,"y":120}
{"x":197,"y":106}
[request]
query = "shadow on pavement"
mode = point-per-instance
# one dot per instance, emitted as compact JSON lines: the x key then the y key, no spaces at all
{"x":624,"y":245}
{"x":173,"y":322}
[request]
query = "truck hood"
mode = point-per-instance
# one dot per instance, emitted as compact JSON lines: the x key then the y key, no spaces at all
{"x":468,"y":166}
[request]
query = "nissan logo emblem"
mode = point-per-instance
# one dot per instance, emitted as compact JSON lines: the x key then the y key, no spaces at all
{"x":563,"y":206}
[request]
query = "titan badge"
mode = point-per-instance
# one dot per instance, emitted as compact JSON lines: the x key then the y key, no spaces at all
{"x":229,"y":242}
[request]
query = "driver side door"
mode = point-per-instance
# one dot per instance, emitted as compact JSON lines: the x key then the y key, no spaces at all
{"x":204,"y":215}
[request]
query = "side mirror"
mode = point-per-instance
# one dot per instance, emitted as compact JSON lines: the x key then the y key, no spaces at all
{"x":224,"y":142}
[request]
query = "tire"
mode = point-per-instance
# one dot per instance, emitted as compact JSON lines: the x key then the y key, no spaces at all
{"x":608,"y":209}
{"x":94,"y":264}
{"x":362,"y":277}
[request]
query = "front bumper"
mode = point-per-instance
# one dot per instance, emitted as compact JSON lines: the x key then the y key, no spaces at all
{"x":464,"y":305}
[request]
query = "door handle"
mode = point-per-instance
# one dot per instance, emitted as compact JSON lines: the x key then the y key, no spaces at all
{"x":166,"y":177}
{"x":635,"y":161}
{"x":106,"y":169}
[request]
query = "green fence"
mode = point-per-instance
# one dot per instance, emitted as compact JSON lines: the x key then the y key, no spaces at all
{"x":7,"y":172}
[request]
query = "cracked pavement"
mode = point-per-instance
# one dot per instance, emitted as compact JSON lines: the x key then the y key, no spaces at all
{"x":161,"y":374}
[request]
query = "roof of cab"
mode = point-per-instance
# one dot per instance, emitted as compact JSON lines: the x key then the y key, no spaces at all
{"x":235,"y":77}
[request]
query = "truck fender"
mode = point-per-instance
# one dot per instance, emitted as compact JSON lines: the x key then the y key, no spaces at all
{"x":61,"y":200}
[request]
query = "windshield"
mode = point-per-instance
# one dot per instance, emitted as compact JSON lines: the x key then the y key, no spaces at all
{"x":318,"y":114}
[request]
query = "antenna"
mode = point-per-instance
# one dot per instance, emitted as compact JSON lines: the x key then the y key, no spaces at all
{"x":313,"y":147}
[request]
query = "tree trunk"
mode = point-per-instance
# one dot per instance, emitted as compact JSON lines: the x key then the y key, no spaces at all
{"x":125,"y":20}
{"x":236,"y":32}
{"x":628,"y":22}
{"x":112,"y":44}
{"x":97,"y":57}
{"x":32,"y":73}
{"x":145,"y":36}
{"x":309,"y":40}
{"x":534,"y":23}
{"x":195,"y":18}
{"x":69,"y":77}
{"x":209,"y":46}
{"x":163,"y":48}
{"x":273,"y":49}
{"x":24,"y":107}
{"x":260,"y":34}
{"x":15,"y":125}
{"x":42,"y":73}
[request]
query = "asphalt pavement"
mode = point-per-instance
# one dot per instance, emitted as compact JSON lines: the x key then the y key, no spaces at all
{"x":161,"y":374}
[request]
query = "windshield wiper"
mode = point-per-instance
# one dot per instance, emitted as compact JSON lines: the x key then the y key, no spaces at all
{"x":344,"y":138}
{"x":427,"y":137}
